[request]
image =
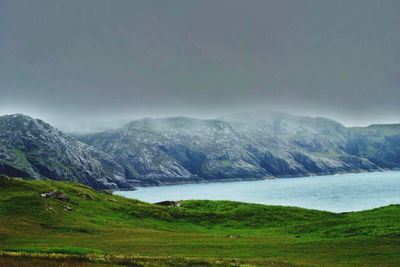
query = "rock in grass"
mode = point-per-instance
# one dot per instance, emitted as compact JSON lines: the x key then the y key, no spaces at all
{"x":233,"y":236}
{"x":55,"y":194}
{"x":169,"y":203}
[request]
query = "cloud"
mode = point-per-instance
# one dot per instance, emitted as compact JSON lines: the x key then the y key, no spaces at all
{"x":108,"y":60}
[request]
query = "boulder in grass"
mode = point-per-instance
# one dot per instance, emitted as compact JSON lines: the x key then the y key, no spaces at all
{"x":169,"y":203}
{"x":55,"y":194}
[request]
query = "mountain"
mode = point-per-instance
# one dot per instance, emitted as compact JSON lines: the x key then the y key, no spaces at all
{"x":178,"y":150}
{"x":33,"y":149}
{"x":378,"y":143}
{"x":243,"y":146}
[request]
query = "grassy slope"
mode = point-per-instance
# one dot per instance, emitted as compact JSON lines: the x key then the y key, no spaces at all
{"x":261,"y":235}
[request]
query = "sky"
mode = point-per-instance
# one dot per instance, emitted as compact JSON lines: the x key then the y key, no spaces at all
{"x":82,"y":65}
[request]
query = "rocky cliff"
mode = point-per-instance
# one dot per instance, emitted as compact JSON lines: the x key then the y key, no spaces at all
{"x":186,"y":150}
{"x":242,"y":146}
{"x":33,"y":149}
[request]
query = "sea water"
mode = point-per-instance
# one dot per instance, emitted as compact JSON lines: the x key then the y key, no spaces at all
{"x":336,"y":193}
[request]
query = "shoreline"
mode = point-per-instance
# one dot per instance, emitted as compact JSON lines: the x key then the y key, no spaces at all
{"x":193,"y":182}
{"x":336,"y":193}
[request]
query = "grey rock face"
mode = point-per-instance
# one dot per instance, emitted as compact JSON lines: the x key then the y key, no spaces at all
{"x":379,"y":144}
{"x":33,"y":149}
{"x":245,"y":146}
{"x":185,"y":150}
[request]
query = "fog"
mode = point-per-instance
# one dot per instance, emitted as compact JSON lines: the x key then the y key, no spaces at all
{"x":90,"y":65}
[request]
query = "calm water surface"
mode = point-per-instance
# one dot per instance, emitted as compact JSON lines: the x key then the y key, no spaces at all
{"x":337,"y":193}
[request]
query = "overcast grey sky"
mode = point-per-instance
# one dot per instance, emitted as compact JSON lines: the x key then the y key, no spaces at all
{"x":76,"y":63}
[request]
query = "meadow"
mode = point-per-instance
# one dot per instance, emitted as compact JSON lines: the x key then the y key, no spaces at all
{"x":82,"y":227}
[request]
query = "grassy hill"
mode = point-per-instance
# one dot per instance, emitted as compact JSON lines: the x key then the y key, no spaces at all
{"x":79,"y":226}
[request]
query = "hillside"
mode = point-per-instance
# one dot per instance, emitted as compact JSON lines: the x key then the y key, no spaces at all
{"x":378,"y":143}
{"x":197,"y":233}
{"x":243,"y":146}
{"x":33,"y":149}
{"x":179,"y":150}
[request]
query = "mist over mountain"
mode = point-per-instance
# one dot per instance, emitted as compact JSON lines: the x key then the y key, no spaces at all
{"x":245,"y":146}
{"x":101,"y":98}
{"x":82,"y":66}
{"x":252,"y":145}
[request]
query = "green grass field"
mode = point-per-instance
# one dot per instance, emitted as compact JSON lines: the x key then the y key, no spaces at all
{"x":99,"y":229}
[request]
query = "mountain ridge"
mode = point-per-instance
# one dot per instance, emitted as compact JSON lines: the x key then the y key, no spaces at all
{"x":177,"y":150}
{"x":218,"y":150}
{"x":33,"y":149}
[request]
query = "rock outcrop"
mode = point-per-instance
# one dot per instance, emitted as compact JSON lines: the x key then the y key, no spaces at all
{"x":244,"y":146}
{"x":33,"y":149}
{"x":186,"y":150}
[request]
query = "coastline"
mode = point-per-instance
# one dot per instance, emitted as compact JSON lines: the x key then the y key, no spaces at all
{"x":203,"y":181}
{"x":346,"y":192}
